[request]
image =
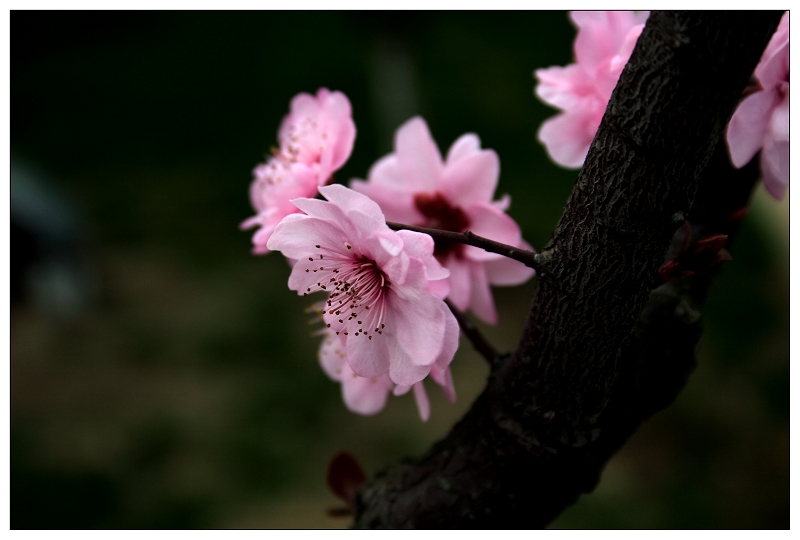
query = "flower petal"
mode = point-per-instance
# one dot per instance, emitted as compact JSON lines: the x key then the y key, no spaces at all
{"x":421,"y":246}
{"x":481,"y":302}
{"x":601,"y":34}
{"x":337,"y":130}
{"x":401,"y":389}
{"x":397,"y":205}
{"x":505,"y":271}
{"x":563,"y":86}
{"x":331,"y":358}
{"x":567,"y":137}
{"x":403,"y":371}
{"x":418,"y":158}
{"x":775,"y":167}
{"x":465,"y":146}
{"x":779,"y":123}
{"x":365,"y":395}
{"x":423,"y":405}
{"x":444,"y":379}
{"x":352,"y":201}
{"x":449,"y":344}
{"x":472,"y":179}
{"x":417,"y":318}
{"x":459,"y":282}
{"x":296,"y":238}
{"x":748,"y":126}
{"x":773,"y":68}
{"x":305,"y":277}
{"x":372,"y":357}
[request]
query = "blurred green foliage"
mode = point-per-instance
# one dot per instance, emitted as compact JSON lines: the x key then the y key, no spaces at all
{"x":188,"y":394}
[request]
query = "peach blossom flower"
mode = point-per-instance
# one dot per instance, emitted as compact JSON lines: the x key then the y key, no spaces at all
{"x":415,"y":186}
{"x":384,"y":287}
{"x":316,"y":138}
{"x":603,"y":45}
{"x":761,"y":121}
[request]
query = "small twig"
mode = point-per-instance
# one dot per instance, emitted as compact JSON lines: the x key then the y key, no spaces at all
{"x":528,"y":258}
{"x":479,"y":342}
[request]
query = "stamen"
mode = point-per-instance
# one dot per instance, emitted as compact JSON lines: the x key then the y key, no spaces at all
{"x":354,"y":285}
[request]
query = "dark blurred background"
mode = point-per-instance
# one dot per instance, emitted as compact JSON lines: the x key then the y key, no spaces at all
{"x":163,"y":377}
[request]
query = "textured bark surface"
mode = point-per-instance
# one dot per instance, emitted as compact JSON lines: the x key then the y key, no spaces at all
{"x":601,"y":350}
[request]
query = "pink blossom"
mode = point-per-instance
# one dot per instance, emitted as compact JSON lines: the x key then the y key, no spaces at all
{"x":368,"y":395}
{"x":603,"y":45}
{"x":415,"y":187}
{"x":384,"y":288}
{"x":761,"y":121}
{"x":316,"y":138}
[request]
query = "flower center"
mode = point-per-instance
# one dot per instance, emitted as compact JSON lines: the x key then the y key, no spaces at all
{"x":440,"y":214}
{"x":299,"y":145}
{"x":356,"y":288}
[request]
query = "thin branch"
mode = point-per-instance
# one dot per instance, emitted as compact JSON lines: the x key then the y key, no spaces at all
{"x":478,"y":340}
{"x":528,"y":258}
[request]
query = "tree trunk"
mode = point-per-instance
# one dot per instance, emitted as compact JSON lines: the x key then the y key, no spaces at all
{"x":602,"y":349}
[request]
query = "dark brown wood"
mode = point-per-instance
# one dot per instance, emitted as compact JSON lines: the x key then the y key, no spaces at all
{"x":590,"y":365}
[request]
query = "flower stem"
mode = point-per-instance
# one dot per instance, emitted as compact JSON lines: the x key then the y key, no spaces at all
{"x":478,"y":340}
{"x":528,"y":258}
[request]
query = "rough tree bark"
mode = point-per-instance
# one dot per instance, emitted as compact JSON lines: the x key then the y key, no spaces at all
{"x":603,"y":348}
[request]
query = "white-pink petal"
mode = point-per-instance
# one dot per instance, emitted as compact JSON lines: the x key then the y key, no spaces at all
{"x":481,"y":302}
{"x":365,"y":395}
{"x":748,"y":126}
{"x":297,"y":238}
{"x":775,"y":167}
{"x":563,"y":87}
{"x":418,"y":158}
{"x":444,"y":379}
{"x":411,"y":307}
{"x":460,"y":283}
{"x":351,"y":201}
{"x":463,"y":147}
{"x":423,"y":405}
{"x":421,"y":246}
{"x":567,"y":138}
{"x":472,"y":179}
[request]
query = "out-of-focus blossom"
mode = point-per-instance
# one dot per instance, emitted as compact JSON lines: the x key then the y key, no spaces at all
{"x":384,"y":288}
{"x":415,"y":186}
{"x":316,"y":138}
{"x":368,"y":395}
{"x":761,"y":121}
{"x":603,"y":45}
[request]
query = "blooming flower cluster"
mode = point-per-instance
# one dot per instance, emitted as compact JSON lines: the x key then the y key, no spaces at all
{"x":316,"y":138}
{"x":387,"y":327}
{"x":386,"y":324}
{"x":761,"y":121}
{"x":603,"y":45}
